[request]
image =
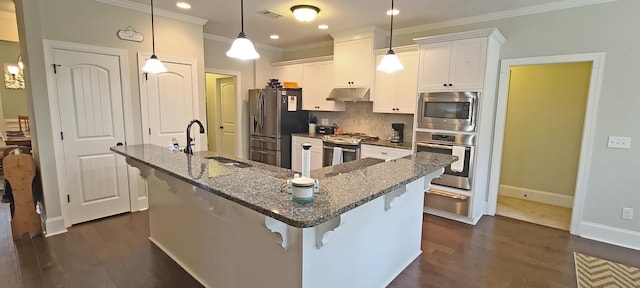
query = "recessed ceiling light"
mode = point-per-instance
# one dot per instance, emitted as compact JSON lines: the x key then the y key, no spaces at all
{"x":183,"y":5}
{"x":274,"y":36}
{"x":323,"y":26}
{"x":395,"y":12}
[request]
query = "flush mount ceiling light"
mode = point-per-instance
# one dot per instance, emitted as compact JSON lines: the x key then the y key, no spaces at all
{"x":242,"y":48}
{"x":390,"y":62}
{"x":274,"y":37}
{"x":305,"y":13}
{"x":323,"y":26}
{"x":394,"y":12}
{"x":153,"y":64}
{"x":183,"y":5}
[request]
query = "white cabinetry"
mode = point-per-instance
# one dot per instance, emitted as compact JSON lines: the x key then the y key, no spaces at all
{"x":289,"y":73}
{"x":384,"y":153}
{"x":354,"y":61}
{"x":396,"y":92}
{"x":453,"y":65}
{"x":296,"y":152}
{"x":466,"y":61}
{"x":315,"y":76}
{"x":318,"y":82}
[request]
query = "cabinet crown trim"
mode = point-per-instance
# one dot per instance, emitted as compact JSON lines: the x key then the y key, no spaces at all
{"x":303,"y":61}
{"x":398,"y":49}
{"x":490,"y":32}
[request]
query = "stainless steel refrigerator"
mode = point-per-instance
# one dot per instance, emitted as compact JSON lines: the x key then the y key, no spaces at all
{"x":274,"y":114}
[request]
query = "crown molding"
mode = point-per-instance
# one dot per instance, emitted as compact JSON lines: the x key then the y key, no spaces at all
{"x":543,"y":8}
{"x":156,"y":11}
{"x":7,"y":15}
{"x":230,"y":40}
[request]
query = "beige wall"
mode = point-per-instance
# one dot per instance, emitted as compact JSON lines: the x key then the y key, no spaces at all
{"x":92,"y":23}
{"x":14,"y":101}
{"x":545,"y":116}
{"x":608,"y":28}
{"x":9,"y":30}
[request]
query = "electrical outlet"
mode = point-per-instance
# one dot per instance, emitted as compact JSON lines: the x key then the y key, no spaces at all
{"x":619,"y":142}
{"x":627,"y":213}
{"x":324,"y":121}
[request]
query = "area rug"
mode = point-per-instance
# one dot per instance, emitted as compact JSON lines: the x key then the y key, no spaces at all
{"x":592,"y":272}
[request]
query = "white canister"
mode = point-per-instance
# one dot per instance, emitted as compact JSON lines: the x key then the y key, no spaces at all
{"x":312,"y":128}
{"x":302,"y":189}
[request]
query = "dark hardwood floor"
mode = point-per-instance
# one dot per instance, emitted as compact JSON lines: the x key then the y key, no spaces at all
{"x":115,"y":252}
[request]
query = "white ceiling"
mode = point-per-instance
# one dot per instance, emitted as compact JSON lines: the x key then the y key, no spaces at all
{"x":340,"y":15}
{"x":224,"y":15}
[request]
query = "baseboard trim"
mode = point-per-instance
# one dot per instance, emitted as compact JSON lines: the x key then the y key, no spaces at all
{"x":536,"y":196}
{"x":55,"y":226}
{"x":611,"y":235}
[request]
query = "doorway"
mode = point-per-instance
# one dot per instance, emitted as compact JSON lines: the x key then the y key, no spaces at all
{"x":541,"y":142}
{"x":222,"y":114}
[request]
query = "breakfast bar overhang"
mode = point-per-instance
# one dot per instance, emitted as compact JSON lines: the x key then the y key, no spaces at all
{"x":231,"y":224}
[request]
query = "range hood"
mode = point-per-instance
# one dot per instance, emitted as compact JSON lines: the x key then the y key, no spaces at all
{"x":349,"y":94}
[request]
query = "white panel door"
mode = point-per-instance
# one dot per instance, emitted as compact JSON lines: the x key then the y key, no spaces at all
{"x":228,"y":116}
{"x":91,"y":112}
{"x":169,"y":105}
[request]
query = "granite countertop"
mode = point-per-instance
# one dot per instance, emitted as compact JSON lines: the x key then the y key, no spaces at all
{"x":342,"y":187}
{"x":379,"y":142}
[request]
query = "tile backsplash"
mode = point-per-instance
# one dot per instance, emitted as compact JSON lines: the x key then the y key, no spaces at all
{"x":359,"y":117}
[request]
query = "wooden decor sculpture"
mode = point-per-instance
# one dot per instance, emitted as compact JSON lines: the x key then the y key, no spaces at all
{"x":19,"y":170}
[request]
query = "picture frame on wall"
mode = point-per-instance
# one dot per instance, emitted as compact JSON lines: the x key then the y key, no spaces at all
{"x":12,"y":81}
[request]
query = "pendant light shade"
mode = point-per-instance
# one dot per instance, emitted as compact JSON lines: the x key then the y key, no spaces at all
{"x":153,"y":64}
{"x":390,"y":62}
{"x":242,"y":48}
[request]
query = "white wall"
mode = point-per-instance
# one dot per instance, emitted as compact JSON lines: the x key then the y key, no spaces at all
{"x":94,"y":23}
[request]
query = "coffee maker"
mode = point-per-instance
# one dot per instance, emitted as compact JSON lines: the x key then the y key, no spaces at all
{"x":398,"y":132}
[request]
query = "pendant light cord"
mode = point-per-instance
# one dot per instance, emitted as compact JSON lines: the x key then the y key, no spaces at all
{"x":242,"y":16}
{"x":391,"y":33}
{"x":153,"y":33}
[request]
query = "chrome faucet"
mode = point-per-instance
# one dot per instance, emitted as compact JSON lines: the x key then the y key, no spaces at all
{"x":188,"y":149}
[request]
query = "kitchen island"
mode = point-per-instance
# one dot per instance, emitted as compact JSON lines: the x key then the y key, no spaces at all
{"x":229,"y":223}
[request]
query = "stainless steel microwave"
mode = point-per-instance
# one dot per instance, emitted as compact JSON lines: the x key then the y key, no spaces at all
{"x":448,"y":110}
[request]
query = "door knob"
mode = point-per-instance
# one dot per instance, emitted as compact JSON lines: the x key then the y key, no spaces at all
{"x":119,"y":144}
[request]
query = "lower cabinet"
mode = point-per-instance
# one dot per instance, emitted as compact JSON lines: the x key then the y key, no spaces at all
{"x":384,"y":153}
{"x":296,"y":152}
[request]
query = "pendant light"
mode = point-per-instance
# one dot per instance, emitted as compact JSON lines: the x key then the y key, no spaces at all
{"x":153,"y":64}
{"x":242,"y":48}
{"x":390,"y":62}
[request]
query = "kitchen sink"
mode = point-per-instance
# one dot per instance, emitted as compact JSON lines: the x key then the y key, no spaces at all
{"x":229,"y":162}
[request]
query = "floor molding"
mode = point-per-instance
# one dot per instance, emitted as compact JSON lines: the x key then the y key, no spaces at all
{"x":55,"y":226}
{"x":536,"y":195}
{"x":612,"y":235}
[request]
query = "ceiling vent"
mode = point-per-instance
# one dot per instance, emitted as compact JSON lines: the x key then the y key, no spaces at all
{"x":270,"y":14}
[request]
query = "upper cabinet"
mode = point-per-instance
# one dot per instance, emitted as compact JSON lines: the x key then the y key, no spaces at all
{"x":315,"y":76}
{"x":457,"y":62}
{"x":289,"y":73}
{"x":396,"y":92}
{"x":317,"y":86}
{"x":353,"y":58}
{"x":454,"y":65}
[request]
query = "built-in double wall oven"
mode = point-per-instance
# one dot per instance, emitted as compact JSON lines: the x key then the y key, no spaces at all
{"x":455,"y":111}
{"x":458,"y":174}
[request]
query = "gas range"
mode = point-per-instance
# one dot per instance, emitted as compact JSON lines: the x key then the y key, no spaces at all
{"x":353,"y":139}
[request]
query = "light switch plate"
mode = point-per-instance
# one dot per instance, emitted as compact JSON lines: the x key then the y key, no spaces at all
{"x":627,"y":213}
{"x":619,"y":142}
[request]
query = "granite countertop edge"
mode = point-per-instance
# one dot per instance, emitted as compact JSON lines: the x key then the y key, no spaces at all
{"x":315,"y":221}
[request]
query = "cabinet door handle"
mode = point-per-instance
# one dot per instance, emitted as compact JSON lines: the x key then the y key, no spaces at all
{"x":383,"y":153}
{"x":450,"y":84}
{"x":445,"y":84}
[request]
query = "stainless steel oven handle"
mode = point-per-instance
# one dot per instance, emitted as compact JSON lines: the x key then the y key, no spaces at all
{"x":438,"y":146}
{"x":343,"y":150}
